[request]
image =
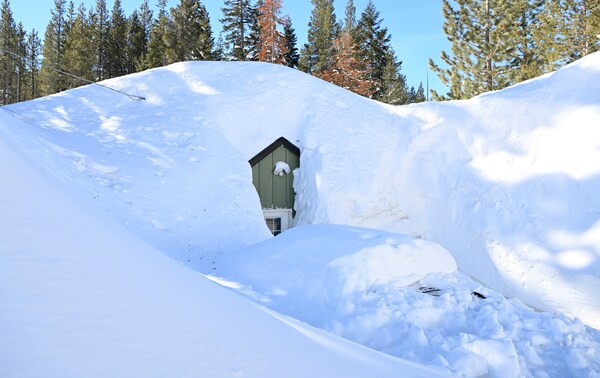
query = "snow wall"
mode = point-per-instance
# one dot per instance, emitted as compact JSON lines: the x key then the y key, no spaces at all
{"x":507,"y":181}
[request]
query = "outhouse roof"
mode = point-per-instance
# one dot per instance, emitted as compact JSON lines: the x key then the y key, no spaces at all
{"x":272,"y":147}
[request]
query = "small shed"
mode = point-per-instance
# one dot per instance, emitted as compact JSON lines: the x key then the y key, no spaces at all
{"x":273,"y":179}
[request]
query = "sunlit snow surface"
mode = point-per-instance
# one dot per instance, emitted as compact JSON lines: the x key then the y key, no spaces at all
{"x":507,"y":183}
{"x":403,"y":296}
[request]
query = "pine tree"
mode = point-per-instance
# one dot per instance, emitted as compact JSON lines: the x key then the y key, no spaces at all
{"x":237,"y":27}
{"x":391,"y":87}
{"x":419,"y":95}
{"x":253,"y":43}
{"x":117,"y":42}
{"x":79,"y":49}
{"x":20,"y":62}
{"x":190,"y":37}
{"x":69,"y":16}
{"x":101,"y":26}
{"x":484,"y":38}
{"x":348,"y":71}
{"x":527,"y":61}
{"x":53,"y":52}
{"x":157,"y":47}
{"x":139,"y":41}
{"x":273,"y":43}
{"x":567,"y":31}
{"x":373,"y":43}
{"x":219,"y":52}
{"x":350,"y":18}
{"x":8,"y":44}
{"x":317,"y":54}
{"x":34,"y":49}
{"x":291,"y":40}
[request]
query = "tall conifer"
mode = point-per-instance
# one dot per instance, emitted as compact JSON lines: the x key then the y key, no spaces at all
{"x":484,"y":36}
{"x":237,"y":27}
{"x":157,"y":46}
{"x":101,"y":37}
{"x":79,"y":49}
{"x":34,"y":49}
{"x":567,"y":31}
{"x":272,"y":40}
{"x":317,"y":53}
{"x":8,"y":43}
{"x":373,"y":44}
{"x":292,"y":56}
{"x":190,"y":37}
{"x":53,"y":51}
{"x":117,"y":37}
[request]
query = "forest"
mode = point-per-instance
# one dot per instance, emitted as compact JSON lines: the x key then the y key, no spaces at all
{"x":494,"y":44}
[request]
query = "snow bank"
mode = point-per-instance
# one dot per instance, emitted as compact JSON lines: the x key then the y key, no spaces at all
{"x":81,"y":296}
{"x":506,"y":182}
{"x":311,"y":268}
{"x":403,"y":296}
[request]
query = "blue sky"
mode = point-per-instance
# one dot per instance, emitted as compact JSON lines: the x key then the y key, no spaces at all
{"x":415,"y":26}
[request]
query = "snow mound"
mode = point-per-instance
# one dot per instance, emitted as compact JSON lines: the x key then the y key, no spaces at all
{"x":313,"y":267}
{"x":403,"y":296}
{"x":507,"y":182}
{"x":81,"y":296}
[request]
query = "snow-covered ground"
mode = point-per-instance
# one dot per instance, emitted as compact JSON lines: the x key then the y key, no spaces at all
{"x":80,"y":296}
{"x":403,"y":296}
{"x":505,"y":183}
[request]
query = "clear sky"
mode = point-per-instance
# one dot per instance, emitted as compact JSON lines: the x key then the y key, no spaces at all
{"x":415,"y":26}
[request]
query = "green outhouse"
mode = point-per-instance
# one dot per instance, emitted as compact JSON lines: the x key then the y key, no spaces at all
{"x":272,"y":177}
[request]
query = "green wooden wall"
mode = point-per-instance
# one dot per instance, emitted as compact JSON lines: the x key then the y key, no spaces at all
{"x":275,"y":191}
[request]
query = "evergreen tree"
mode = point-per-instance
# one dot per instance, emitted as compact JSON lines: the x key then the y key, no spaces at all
{"x":317,"y":53}
{"x":348,"y":71}
{"x":101,"y":37}
{"x":219,"y":52}
{"x":137,"y":42}
{"x":53,"y":51}
{"x":292,"y":56}
{"x":391,"y":87}
{"x":527,"y":61}
{"x":373,"y":42}
{"x":79,"y":49}
{"x":254,"y":46}
{"x":567,"y":31}
{"x":273,"y":44}
{"x":190,"y":37}
{"x":117,"y":38}
{"x":419,"y":95}
{"x":157,"y":47}
{"x":8,"y":44}
{"x":350,"y":18}
{"x":237,"y":22}
{"x":484,"y":39}
{"x":34,"y":49}
{"x":69,"y":16}
{"x":20,"y":62}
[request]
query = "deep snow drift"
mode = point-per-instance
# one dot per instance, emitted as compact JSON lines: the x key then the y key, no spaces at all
{"x":506,"y":182}
{"x":82,"y":297}
{"x":403,"y":296}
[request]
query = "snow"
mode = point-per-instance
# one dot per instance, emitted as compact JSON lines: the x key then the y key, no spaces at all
{"x":403,"y":296}
{"x":281,"y":168}
{"x":113,"y":204}
{"x":82,"y":296}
